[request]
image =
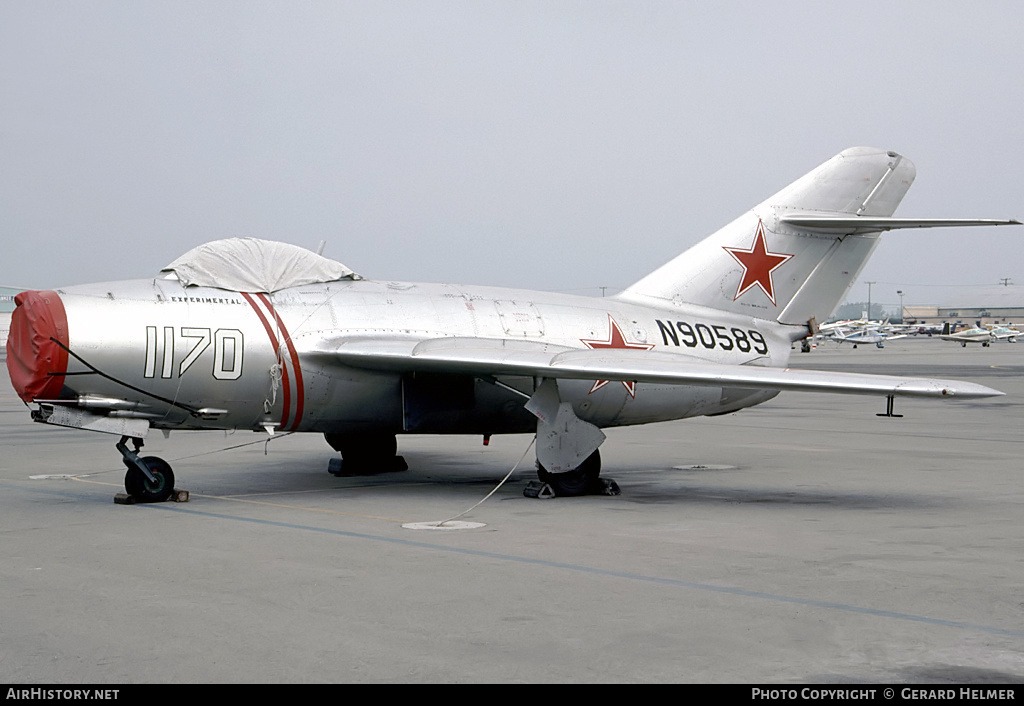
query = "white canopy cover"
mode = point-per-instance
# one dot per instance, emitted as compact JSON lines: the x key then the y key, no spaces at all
{"x":253,"y":265}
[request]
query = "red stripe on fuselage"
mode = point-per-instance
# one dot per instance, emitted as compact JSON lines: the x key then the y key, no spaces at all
{"x":300,"y":394}
{"x":286,"y":410}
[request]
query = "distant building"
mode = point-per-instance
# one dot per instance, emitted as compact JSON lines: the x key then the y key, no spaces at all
{"x":993,"y":304}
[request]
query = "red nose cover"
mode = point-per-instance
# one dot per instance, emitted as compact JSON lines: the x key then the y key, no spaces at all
{"x":35,"y":362}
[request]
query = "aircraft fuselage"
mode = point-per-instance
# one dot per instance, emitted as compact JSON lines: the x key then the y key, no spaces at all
{"x":202,"y":358}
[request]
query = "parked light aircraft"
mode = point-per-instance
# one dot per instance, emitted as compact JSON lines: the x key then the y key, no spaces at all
{"x":1005,"y":333}
{"x":979,"y":334}
{"x":858,"y":332}
{"x":876,"y":336}
{"x":249,"y":334}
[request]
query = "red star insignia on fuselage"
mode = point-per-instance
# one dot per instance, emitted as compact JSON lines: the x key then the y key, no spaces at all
{"x":758,"y":265}
{"x":615,"y":340}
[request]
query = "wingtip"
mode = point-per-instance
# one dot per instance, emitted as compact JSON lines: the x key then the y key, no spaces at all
{"x":971,"y":392}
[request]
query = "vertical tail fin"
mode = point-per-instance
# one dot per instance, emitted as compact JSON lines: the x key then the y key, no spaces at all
{"x":790,"y":271}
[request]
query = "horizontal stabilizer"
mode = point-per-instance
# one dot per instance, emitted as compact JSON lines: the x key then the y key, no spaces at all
{"x":851,"y":225}
{"x":490,"y":357}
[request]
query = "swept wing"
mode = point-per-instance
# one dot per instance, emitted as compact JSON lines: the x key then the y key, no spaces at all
{"x":494,"y":357}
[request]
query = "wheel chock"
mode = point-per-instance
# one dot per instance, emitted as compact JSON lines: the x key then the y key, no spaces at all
{"x":544,"y":491}
{"x":178,"y":496}
{"x":538,"y":489}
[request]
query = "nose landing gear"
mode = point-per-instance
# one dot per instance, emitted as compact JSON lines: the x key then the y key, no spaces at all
{"x":149,"y":479}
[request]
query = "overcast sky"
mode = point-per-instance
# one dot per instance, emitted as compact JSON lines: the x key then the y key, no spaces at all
{"x":552,"y":145}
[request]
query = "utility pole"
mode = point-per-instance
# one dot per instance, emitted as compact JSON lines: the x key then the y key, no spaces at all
{"x":900,"y":293}
{"x":869,"y":299}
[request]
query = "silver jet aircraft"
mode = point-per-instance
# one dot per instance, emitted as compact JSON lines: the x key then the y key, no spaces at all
{"x":249,"y":334}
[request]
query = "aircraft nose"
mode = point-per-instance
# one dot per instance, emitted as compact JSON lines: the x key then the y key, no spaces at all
{"x":36,"y":360}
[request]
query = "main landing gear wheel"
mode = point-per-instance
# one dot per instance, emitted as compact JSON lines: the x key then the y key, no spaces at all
{"x":364,"y":454}
{"x":145,"y":491}
{"x":583,"y":480}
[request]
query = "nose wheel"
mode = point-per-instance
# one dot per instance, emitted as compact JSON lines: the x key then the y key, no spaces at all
{"x":149,"y":478}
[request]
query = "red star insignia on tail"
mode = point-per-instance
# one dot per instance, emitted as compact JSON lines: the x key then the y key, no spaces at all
{"x":758,"y":265}
{"x":615,"y":340}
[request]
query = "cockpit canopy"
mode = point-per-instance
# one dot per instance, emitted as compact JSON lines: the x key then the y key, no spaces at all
{"x":253,"y":265}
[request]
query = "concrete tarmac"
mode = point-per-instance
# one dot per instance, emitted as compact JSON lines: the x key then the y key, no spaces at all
{"x":805,"y":540}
